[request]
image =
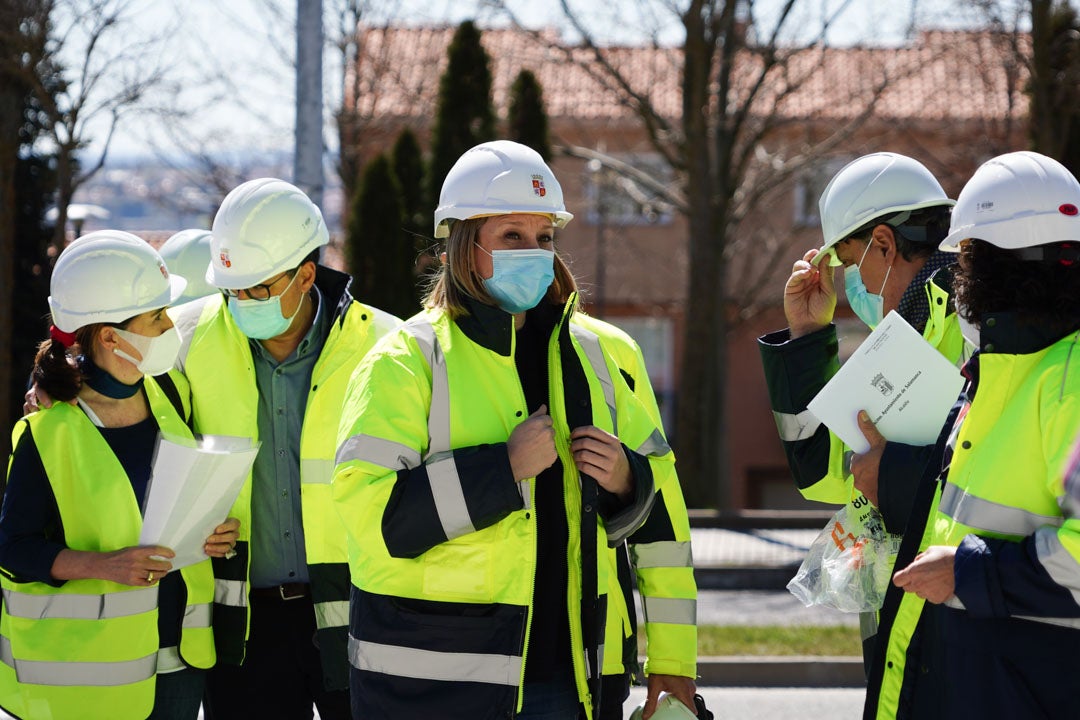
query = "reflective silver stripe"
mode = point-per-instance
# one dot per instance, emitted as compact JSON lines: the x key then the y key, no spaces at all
{"x":377,"y":451}
{"x":449,"y":497}
{"x":432,"y":665}
{"x":80,"y":607}
{"x":168,"y":659}
{"x":655,"y":445}
{"x":316,"y":471}
{"x":796,"y":426}
{"x":590,"y":343}
{"x":439,"y":413}
{"x":666,"y":553}
{"x":67,"y":674}
{"x":1059,"y":562}
{"x":230,"y":592}
{"x":676,"y":611}
{"x":600,"y":656}
{"x":198,"y":616}
{"x":334,"y":613}
{"x":990,"y":516}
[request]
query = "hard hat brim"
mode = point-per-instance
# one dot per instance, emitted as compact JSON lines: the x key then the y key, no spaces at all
{"x":869,"y":217}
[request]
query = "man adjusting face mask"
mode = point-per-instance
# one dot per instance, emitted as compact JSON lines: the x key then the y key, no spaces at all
{"x":866,"y":305}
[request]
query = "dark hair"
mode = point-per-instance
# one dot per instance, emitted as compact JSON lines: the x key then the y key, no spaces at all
{"x":312,"y":256}
{"x":991,"y":279}
{"x":918,"y":232}
{"x":55,"y":370}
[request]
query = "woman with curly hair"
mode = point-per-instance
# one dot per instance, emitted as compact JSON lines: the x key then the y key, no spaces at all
{"x":999,"y":564}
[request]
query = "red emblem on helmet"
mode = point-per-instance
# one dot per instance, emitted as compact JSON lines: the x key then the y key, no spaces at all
{"x":224,"y":256}
{"x":1068,"y":209}
{"x":538,"y":185}
{"x":164,"y":271}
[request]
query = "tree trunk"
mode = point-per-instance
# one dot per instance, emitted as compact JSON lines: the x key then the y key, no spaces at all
{"x":699,"y":437}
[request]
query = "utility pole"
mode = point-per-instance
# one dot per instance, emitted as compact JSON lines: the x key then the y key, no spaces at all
{"x":308,"y":153}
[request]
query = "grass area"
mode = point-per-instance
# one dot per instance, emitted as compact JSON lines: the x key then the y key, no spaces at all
{"x":774,"y":640}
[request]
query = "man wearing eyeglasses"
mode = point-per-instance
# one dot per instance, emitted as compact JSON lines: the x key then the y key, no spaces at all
{"x":882,"y":216}
{"x":269,"y":358}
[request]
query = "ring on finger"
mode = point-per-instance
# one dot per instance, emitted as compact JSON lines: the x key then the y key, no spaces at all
{"x":150,"y":578}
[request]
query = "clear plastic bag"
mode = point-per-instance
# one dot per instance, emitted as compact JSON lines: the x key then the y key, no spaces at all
{"x":849,"y":564}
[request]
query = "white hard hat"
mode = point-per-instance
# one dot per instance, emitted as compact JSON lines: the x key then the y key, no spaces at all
{"x":499,"y":178}
{"x":668,"y":707}
{"x":1017,"y":200}
{"x":874,"y":186}
{"x":107,"y":277}
{"x":187,"y":253}
{"x":263,"y":227}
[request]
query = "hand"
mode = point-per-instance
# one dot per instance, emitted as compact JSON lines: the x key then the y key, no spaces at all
{"x":35,"y":399}
{"x":930,"y":574}
{"x":864,"y":466}
{"x":222,"y":542}
{"x":140,"y":566}
{"x":600,"y":455}
{"x":681,"y":687}
{"x":532,"y":445}
{"x":809,"y":296}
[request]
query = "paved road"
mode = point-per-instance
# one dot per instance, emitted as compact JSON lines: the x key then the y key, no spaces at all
{"x":766,"y":607}
{"x":773,"y":703}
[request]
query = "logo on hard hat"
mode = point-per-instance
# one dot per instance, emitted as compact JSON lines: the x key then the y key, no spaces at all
{"x":224,"y":257}
{"x":1068,"y":209}
{"x":984,"y":206}
{"x":538,"y":185}
{"x":164,"y":270}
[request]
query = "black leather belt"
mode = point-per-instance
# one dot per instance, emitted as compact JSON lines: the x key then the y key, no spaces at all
{"x":286,"y":591}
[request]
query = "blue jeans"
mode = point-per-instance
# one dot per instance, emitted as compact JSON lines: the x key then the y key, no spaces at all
{"x":550,"y":701}
{"x":177,"y":695}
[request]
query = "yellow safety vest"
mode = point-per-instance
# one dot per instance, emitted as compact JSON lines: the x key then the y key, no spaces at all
{"x":89,"y":649}
{"x":664,"y":564}
{"x":221,"y":373}
{"x":428,"y":391}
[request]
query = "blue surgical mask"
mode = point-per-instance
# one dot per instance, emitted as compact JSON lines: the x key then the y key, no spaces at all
{"x":520,"y":278}
{"x":262,"y":319}
{"x":866,"y":305}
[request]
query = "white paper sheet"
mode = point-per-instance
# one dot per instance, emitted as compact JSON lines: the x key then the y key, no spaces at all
{"x":905,"y":385}
{"x":192,"y":487}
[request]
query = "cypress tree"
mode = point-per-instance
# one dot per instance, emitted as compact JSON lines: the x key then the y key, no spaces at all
{"x":527,"y":121}
{"x":464,"y":115}
{"x":380,"y":254}
{"x":408,"y":166}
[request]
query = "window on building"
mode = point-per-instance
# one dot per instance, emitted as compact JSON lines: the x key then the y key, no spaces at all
{"x":655,"y":336}
{"x":809,"y":185}
{"x":616,"y":199}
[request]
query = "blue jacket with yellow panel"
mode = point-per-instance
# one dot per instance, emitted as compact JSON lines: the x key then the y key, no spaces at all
{"x":442,"y":540}
{"x":1005,"y":645}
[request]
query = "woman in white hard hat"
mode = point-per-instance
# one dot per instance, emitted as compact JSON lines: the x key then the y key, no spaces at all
{"x":94,"y":625}
{"x":489,"y":452}
{"x":1001,"y":568}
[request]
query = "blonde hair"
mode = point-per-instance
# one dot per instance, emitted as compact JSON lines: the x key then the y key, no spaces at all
{"x":458,"y":278}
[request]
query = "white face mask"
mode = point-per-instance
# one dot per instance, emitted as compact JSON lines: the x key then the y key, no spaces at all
{"x":158,"y":353}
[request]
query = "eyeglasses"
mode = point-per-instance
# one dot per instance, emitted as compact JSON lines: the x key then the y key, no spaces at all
{"x":260,"y":292}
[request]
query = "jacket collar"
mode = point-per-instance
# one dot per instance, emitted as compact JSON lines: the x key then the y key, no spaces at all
{"x":334,"y":286}
{"x":1013,"y":334}
{"x":493,"y":328}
